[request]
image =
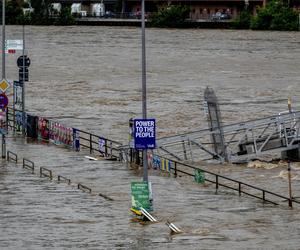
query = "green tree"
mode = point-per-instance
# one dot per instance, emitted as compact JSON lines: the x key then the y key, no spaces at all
{"x":275,"y":16}
{"x":243,"y":21}
{"x":172,"y":16}
{"x":12,"y":10}
{"x":65,"y":17}
{"x":41,"y":14}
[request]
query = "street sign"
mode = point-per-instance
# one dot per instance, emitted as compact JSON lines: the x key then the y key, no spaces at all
{"x":3,"y":101}
{"x":141,"y":195}
{"x":144,"y":133}
{"x":4,"y":85}
{"x":14,"y":44}
{"x":20,"y":61}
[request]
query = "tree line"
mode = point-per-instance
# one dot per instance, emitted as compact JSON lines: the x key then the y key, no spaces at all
{"x":276,"y":15}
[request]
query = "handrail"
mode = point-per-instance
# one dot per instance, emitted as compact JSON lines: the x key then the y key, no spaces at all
{"x":60,"y":177}
{"x":83,"y":187}
{"x":9,"y":153}
{"x":240,"y":183}
{"x":26,"y":163}
{"x":43,"y":174}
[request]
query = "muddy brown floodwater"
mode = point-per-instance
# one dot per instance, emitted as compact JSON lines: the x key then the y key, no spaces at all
{"x":90,"y":78}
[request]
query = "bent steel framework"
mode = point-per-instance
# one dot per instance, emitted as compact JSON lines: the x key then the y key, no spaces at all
{"x":243,"y":141}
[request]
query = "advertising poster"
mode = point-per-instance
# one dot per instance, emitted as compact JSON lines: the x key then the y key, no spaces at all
{"x":43,"y":129}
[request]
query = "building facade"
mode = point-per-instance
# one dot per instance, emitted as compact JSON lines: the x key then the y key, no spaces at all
{"x":199,"y":9}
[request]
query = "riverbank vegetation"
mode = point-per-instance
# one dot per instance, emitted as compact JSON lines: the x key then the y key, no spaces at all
{"x":173,"y":16}
{"x":40,"y":13}
{"x":276,"y":15}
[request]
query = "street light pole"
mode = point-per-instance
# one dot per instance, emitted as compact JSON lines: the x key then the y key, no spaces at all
{"x":23,"y":86}
{"x":144,"y":96}
{"x":3,"y":69}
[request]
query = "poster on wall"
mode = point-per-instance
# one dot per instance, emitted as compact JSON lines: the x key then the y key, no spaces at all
{"x":76,"y":139}
{"x":43,"y":129}
{"x":60,"y":134}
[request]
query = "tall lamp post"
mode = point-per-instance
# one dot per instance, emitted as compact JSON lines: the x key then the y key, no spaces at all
{"x":144,"y":92}
{"x":3,"y":69}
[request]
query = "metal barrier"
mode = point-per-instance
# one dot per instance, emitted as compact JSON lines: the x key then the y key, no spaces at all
{"x":83,"y":188}
{"x":9,"y":156}
{"x":61,"y":178}
{"x":92,"y":141}
{"x":238,"y":184}
{"x":28,"y":164}
{"x":44,"y":172}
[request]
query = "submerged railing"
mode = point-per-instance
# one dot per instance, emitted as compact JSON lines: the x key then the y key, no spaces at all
{"x":115,"y":151}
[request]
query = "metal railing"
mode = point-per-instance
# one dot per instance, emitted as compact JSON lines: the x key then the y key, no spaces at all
{"x":109,"y":149}
{"x":178,"y":167}
{"x":14,"y":158}
{"x":28,"y":164}
{"x":91,"y":141}
{"x":62,"y":178}
{"x":45,"y":172}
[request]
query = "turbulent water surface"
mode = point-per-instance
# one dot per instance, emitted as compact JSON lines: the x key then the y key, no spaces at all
{"x":90,"y":78}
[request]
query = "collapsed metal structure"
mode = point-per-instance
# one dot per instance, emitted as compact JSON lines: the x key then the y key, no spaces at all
{"x":237,"y":142}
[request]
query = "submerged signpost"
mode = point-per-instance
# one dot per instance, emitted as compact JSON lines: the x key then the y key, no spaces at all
{"x":3,"y":69}
{"x":144,"y":138}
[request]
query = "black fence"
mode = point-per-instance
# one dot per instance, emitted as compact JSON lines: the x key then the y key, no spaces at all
{"x":109,"y":148}
{"x":114,"y":151}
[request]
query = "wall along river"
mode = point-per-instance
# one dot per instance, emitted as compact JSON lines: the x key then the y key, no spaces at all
{"x":89,"y":77}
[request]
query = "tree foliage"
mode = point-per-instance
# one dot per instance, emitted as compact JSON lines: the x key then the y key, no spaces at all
{"x":65,"y":17}
{"x":277,"y":15}
{"x":243,"y":21}
{"x":172,"y":16}
{"x":12,"y":10}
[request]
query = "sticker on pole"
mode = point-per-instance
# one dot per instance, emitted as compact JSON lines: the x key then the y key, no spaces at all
{"x":3,"y":101}
{"x":144,"y":133}
{"x":141,"y":195}
{"x":199,"y":176}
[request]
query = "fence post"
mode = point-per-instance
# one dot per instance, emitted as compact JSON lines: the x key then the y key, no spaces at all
{"x":290,"y":185}
{"x":91,"y":144}
{"x":175,"y":169}
{"x":111,"y":149}
{"x":105,"y":147}
{"x":217,"y":183}
{"x":184,"y":149}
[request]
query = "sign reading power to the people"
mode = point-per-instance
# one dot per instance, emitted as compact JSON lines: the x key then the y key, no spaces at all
{"x":144,"y":133}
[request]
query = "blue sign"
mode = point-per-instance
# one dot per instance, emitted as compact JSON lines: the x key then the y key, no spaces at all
{"x":144,"y":133}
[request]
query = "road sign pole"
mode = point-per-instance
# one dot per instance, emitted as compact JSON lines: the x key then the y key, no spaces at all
{"x":144,"y":96}
{"x":23,"y":85}
{"x":3,"y":69}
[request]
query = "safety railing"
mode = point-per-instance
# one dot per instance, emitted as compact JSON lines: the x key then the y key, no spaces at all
{"x":177,"y":168}
{"x":28,"y":164}
{"x":12,"y":156}
{"x":94,"y":143}
{"x":45,"y":172}
{"x":84,"y":188}
{"x":62,"y":178}
{"x":240,"y":187}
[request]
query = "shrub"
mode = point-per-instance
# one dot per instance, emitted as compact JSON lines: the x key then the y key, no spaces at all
{"x":275,"y":16}
{"x":243,"y":21}
{"x":172,"y":16}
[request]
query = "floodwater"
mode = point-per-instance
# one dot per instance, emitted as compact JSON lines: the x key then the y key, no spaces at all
{"x":90,"y":78}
